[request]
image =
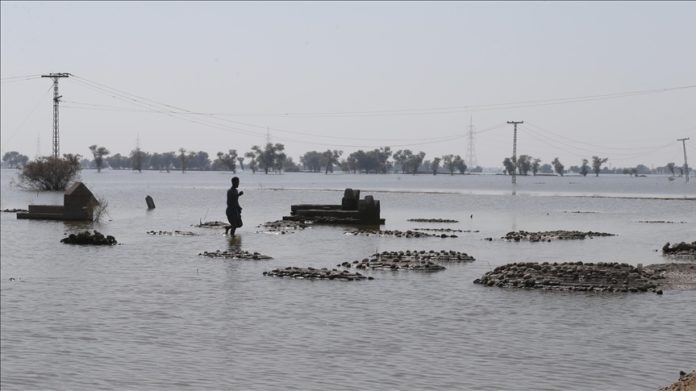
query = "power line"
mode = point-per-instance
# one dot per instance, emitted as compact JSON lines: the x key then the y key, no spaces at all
{"x":470,"y":107}
{"x":181,"y":113}
{"x":12,"y":79}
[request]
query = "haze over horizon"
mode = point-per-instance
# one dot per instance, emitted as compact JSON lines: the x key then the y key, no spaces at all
{"x":616,"y":80}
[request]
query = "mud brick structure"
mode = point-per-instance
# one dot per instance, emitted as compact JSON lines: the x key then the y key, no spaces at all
{"x":352,"y":210}
{"x":78,"y":205}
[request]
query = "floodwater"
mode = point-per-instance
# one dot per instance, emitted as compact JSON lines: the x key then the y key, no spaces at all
{"x":151,"y":314}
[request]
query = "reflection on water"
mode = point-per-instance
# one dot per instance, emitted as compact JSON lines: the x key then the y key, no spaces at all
{"x":151,"y":314}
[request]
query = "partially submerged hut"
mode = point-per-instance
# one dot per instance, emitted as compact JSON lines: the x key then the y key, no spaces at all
{"x":78,"y":204}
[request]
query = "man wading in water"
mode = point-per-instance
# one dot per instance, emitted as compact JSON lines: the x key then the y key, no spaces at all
{"x":234,"y":211}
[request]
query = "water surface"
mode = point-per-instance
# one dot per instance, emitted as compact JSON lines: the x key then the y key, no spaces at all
{"x":151,"y":314}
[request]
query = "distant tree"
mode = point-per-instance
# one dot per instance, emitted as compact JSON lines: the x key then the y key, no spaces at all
{"x":546,"y":169}
{"x":642,"y":169}
{"x":670,"y":167}
{"x":633,"y":171}
{"x":311,"y":161}
{"x":99,"y":153}
{"x":597,"y":164}
{"x":50,"y":173}
{"x":524,"y":164}
{"x":448,"y":163}
{"x":14,"y":159}
{"x":509,"y":166}
{"x":169,"y":160}
{"x":199,"y":161}
{"x":240,"y":159}
{"x":535,"y":166}
{"x":137,"y":157}
{"x":157,"y":161}
{"x":118,"y":162}
{"x":408,"y":161}
{"x":376,"y":160}
{"x":351,"y":163}
{"x":269,"y":158}
{"x":290,"y":166}
{"x":585,"y":168}
{"x":252,"y":161}
{"x":459,"y":164}
{"x":435,"y":165}
{"x":400,"y":160}
{"x":228,"y":160}
{"x":183,"y":159}
{"x":330,"y":158}
{"x":557,"y":166}
{"x":414,"y":161}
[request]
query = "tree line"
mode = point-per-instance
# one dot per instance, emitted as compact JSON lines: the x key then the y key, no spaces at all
{"x":272,"y":158}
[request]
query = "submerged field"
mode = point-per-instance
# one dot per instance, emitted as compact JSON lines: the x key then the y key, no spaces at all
{"x":152,"y":313}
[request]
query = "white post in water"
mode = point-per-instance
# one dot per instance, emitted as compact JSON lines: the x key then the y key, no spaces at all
{"x":686,"y":165}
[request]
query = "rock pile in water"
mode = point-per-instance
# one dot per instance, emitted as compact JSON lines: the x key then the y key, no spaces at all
{"x":408,"y":260}
{"x":547,"y":236}
{"x":15,"y":210}
{"x":433,"y":220}
{"x":443,"y":230}
{"x":661,"y":222}
{"x":85,"y":237}
{"x":211,"y":224}
{"x":680,"y":249}
{"x":311,"y":273}
{"x":573,"y":276}
{"x":677,"y":276}
{"x":686,"y":382}
{"x":172,"y":233}
{"x":396,"y":233}
{"x":234,"y":254}
{"x":284,"y":226}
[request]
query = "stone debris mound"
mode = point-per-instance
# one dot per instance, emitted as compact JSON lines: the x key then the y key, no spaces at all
{"x":409,"y":260}
{"x":232,"y":254}
{"x":547,"y":236}
{"x":680,"y":249}
{"x":15,"y":210}
{"x":686,"y":382}
{"x":211,"y":224}
{"x":661,"y":222}
{"x":396,"y":233}
{"x":433,"y":220}
{"x":284,"y":226}
{"x":574,"y":276}
{"x":172,"y":233}
{"x":677,"y":276}
{"x":85,"y":237}
{"x":311,"y":273}
{"x":444,"y":230}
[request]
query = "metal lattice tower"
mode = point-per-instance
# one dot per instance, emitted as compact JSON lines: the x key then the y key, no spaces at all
{"x":514,"y":150}
{"x":56,"y":101}
{"x":471,"y":150}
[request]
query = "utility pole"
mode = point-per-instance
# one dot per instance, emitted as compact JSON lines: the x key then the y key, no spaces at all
{"x":472,"y":152}
{"x":268,"y":135}
{"x":514,"y":150}
{"x":686,"y":166}
{"x":56,"y":101}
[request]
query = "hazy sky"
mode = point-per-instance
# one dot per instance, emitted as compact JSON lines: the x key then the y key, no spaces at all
{"x":214,"y":76}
